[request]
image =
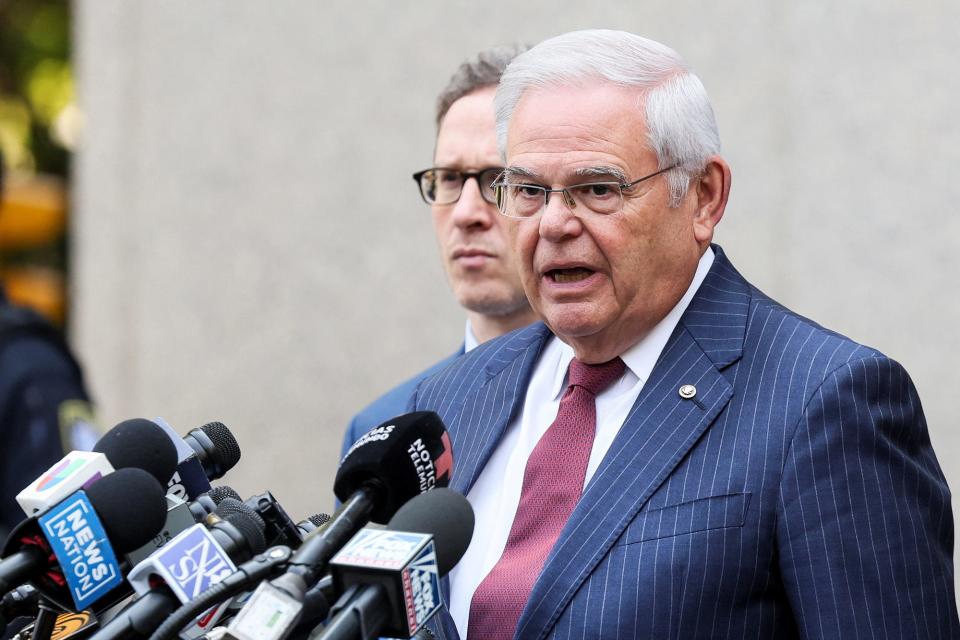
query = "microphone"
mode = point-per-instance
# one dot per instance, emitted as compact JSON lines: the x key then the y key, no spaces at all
{"x":415,"y":446}
{"x":390,"y":578}
{"x":215,"y":447}
{"x":187,"y":566}
{"x":311,"y":524}
{"x":133,"y":443}
{"x":260,"y":567}
{"x":387,"y":467}
{"x":70,"y":552}
{"x":182,"y":515}
{"x":19,"y":603}
{"x":141,"y":444}
{"x":204,"y":454}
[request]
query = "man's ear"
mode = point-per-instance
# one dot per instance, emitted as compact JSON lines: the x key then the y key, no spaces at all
{"x":712,"y":188}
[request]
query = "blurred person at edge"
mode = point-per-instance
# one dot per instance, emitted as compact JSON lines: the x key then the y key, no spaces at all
{"x":45,"y":409}
{"x":671,"y":453}
{"x":480,"y":266}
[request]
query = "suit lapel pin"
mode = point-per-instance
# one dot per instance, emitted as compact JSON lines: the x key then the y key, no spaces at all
{"x":688,"y":391}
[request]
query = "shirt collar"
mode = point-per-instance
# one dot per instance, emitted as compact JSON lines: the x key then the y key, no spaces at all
{"x":470,"y":341}
{"x":641,"y":357}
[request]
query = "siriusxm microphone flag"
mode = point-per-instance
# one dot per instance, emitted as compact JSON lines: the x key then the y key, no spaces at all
{"x":189,"y":564}
{"x":404,"y":562}
{"x":79,"y":541}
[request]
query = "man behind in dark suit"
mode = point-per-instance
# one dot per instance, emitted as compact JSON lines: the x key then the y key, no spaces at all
{"x":671,"y":453}
{"x":479,"y":264}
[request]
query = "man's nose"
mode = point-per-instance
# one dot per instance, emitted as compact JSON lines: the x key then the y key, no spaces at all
{"x":471,"y":210}
{"x":558,"y":220}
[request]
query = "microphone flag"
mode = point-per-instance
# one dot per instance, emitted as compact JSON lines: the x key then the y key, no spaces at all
{"x":79,"y":541}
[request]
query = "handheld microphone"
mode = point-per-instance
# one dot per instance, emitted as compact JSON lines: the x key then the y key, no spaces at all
{"x":69,"y":553}
{"x":215,"y":447}
{"x":388,"y":466}
{"x":390,"y":578}
{"x":204,"y":454}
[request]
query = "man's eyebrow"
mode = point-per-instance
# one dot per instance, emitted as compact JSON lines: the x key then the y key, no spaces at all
{"x":520,"y":172}
{"x":601,"y":172}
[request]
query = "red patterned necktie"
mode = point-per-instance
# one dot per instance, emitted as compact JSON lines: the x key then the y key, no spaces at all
{"x":552,"y":484}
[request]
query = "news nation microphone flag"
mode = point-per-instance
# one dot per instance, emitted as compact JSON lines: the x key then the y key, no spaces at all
{"x":83,"y":551}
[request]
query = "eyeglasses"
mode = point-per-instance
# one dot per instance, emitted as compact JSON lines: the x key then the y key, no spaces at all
{"x":439,"y":185}
{"x":527,"y":200}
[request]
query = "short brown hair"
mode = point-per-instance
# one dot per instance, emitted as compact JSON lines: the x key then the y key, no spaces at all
{"x":483,"y":71}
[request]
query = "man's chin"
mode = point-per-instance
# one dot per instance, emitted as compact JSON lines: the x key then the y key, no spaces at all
{"x":494,"y":305}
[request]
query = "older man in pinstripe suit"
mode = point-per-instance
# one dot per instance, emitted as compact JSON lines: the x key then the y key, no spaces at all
{"x":671,"y":453}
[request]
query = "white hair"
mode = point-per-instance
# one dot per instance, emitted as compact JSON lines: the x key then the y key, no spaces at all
{"x":681,"y":127}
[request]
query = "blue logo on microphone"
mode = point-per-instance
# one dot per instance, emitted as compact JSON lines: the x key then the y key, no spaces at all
{"x":79,"y":541}
{"x":193,"y":562}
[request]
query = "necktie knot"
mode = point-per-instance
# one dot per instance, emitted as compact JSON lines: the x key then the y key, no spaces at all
{"x":595,"y":377}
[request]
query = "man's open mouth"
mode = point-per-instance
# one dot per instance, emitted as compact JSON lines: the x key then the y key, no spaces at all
{"x":575,"y":274}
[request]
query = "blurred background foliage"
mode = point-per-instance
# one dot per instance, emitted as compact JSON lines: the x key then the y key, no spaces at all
{"x":39,"y":126}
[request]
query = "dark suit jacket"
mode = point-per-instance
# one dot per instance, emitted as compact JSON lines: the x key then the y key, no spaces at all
{"x":795,"y":495}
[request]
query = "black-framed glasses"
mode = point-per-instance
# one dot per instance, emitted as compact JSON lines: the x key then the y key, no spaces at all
{"x":519,"y":200}
{"x":441,"y":185}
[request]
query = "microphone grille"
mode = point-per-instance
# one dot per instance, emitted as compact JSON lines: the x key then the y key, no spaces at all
{"x":251,"y":530}
{"x":219,"y":494}
{"x":319,"y":519}
{"x":230,"y":506}
{"x":227,"y":449}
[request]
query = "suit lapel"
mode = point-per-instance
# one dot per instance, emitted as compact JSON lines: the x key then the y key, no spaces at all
{"x":478,"y":427}
{"x":658,"y":433}
{"x":489,"y":408}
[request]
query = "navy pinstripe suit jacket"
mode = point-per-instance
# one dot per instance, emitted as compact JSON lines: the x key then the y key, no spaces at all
{"x":795,"y":495}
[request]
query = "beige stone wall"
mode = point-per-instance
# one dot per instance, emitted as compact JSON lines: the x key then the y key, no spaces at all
{"x":224,"y":268}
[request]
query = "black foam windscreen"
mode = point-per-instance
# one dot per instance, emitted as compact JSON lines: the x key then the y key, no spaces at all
{"x":140,"y":444}
{"x":447,"y":516}
{"x":401,"y":458}
{"x":131,"y":505}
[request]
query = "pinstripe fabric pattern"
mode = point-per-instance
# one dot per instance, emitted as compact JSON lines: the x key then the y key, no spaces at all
{"x":795,"y":495}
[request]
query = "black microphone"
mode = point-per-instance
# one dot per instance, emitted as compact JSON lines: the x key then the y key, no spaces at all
{"x":311,"y":524}
{"x":206,"y":503}
{"x":139,"y":444}
{"x":20,"y":603}
{"x":69,"y":553}
{"x":390,"y":579}
{"x":204,"y":454}
{"x":388,"y":466}
{"x":215,"y":447}
{"x":237,"y":536}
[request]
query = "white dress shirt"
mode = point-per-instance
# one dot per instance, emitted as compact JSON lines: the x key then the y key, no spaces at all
{"x":470,"y":341}
{"x":496,"y":493}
